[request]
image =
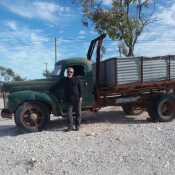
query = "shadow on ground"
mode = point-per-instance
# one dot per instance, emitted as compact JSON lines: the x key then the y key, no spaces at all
{"x":9,"y":130}
{"x":113,"y":117}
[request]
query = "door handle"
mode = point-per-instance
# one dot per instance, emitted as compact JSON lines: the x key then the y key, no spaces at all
{"x":85,"y":83}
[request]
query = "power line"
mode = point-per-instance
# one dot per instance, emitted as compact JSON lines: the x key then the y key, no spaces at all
{"x":85,"y":41}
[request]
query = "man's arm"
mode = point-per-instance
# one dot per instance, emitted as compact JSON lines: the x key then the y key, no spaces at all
{"x":80,"y":88}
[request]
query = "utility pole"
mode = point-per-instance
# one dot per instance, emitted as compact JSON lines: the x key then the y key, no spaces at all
{"x":120,"y":52}
{"x":46,"y":67}
{"x":55,"y":50}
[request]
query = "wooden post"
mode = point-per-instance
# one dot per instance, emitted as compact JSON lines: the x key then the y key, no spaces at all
{"x":169,"y":68}
{"x":141,"y":70}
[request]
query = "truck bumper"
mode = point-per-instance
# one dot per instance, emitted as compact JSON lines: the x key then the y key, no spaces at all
{"x":5,"y":113}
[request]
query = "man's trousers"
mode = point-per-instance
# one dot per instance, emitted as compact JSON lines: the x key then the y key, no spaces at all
{"x":71,"y":108}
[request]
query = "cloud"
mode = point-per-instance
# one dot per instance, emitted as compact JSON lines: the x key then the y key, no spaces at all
{"x":166,"y":15}
{"x":25,"y":50}
{"x":12,"y":25}
{"x":48,"y":11}
{"x":82,"y":32}
{"x":15,"y":32}
{"x":107,"y":2}
{"x":159,"y":37}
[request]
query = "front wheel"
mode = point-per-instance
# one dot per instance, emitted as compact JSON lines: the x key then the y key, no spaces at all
{"x":32,"y":116}
{"x":131,"y":109}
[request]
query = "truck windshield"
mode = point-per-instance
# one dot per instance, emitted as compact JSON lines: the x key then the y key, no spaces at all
{"x":57,"y":70}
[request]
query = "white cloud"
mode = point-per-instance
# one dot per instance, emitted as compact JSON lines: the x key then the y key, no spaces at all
{"x":26,"y":50}
{"x":37,"y":38}
{"x":21,"y":33}
{"x":167,"y":15}
{"x":82,"y":32}
{"x":12,"y":25}
{"x":159,"y":37}
{"x":81,"y":37}
{"x":48,"y":11}
{"x":107,"y":2}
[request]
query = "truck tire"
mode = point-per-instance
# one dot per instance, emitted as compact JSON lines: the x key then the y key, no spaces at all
{"x":32,"y":117}
{"x":163,"y":109}
{"x":152,"y":106}
{"x":131,"y":109}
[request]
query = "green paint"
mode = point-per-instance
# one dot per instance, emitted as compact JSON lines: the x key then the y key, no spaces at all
{"x":39,"y":90}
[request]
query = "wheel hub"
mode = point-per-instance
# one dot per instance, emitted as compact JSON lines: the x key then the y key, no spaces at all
{"x":166,"y":108}
{"x":34,"y":116}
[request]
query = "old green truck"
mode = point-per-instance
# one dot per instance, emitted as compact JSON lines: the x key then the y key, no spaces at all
{"x":38,"y":97}
{"x":136,"y":84}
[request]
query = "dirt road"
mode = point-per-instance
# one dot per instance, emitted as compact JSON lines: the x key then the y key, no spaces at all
{"x":108,"y":143}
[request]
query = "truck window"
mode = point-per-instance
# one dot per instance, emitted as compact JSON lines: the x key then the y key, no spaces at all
{"x":57,"y":70}
{"x":78,"y":70}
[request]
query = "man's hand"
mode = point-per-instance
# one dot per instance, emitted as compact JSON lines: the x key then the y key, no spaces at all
{"x":81,"y":99}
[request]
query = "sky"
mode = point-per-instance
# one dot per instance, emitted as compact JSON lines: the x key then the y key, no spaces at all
{"x":28,"y":29}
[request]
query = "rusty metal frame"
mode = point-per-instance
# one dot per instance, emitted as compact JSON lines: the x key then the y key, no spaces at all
{"x":137,"y":88}
{"x":141,"y":70}
{"x":145,"y":91}
{"x":169,"y":68}
{"x":99,"y":41}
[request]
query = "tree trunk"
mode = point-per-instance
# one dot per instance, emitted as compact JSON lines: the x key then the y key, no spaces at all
{"x":131,"y":52}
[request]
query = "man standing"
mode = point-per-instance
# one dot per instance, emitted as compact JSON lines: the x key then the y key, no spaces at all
{"x":73,"y":99}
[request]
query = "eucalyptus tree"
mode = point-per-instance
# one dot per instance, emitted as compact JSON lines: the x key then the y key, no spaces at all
{"x":122,"y":20}
{"x":7,"y":74}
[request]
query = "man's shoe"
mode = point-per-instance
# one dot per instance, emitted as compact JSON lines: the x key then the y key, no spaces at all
{"x":77,"y":127}
{"x":69,"y":129}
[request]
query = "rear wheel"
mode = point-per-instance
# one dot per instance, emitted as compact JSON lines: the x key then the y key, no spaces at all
{"x":163,"y":109}
{"x":131,"y":109}
{"x":32,"y":117}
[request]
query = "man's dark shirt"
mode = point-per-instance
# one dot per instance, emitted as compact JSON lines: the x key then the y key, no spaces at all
{"x":72,"y":89}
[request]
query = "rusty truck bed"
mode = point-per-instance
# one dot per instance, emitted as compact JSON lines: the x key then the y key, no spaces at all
{"x":128,"y":76}
{"x":136,"y":88}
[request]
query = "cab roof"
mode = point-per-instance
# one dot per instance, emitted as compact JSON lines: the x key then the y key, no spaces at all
{"x":73,"y":61}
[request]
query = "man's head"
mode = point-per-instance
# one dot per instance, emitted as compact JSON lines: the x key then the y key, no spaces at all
{"x":70,"y":72}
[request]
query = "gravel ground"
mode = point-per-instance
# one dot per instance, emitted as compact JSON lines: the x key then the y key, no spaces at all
{"x":108,"y":143}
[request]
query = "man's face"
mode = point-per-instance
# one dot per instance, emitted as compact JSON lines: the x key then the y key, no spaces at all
{"x":70,"y":72}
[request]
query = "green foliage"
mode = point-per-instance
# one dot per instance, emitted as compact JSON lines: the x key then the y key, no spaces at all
{"x":123,"y":20}
{"x":7,"y":74}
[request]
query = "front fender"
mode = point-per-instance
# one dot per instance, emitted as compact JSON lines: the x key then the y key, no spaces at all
{"x":17,"y":98}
